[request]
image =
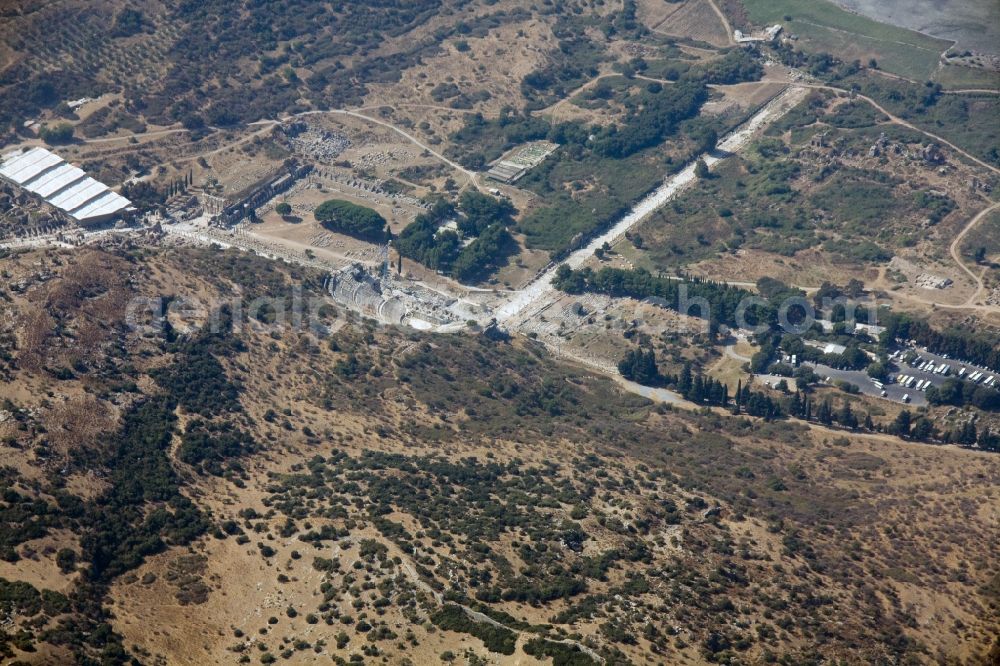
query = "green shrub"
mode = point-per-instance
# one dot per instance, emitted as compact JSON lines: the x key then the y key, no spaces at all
{"x":496,"y":639}
{"x":57,"y":135}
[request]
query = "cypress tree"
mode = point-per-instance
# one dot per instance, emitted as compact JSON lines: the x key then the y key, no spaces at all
{"x":845,"y":416}
{"x":684,"y":383}
{"x":901,"y":426}
{"x":825,"y":412}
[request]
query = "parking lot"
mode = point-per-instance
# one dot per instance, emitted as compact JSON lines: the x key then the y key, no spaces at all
{"x":864,"y":383}
{"x":893,"y":389}
{"x":955,"y":368}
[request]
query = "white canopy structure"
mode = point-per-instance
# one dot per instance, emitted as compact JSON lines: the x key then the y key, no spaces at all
{"x":62,"y":185}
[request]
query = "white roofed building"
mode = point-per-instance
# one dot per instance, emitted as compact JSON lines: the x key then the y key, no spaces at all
{"x":765,"y":35}
{"x":63,"y":186}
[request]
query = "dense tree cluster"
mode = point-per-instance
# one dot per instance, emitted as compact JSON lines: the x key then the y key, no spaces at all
{"x":212,"y":447}
{"x":26,"y":92}
{"x":127,"y":22}
{"x":480,"y":141}
{"x":480,"y":211}
{"x":804,"y":407}
{"x":351,"y":219}
{"x":819,"y":64}
{"x":640,"y":366}
{"x":22,"y":518}
{"x":700,"y":389}
{"x":654,"y":121}
{"x":197,"y":381}
{"x":757,"y":403}
{"x":21,"y":599}
{"x":144,"y":509}
{"x":967,"y":434}
{"x":484,"y":255}
{"x":478,"y":216}
{"x":425,"y":242}
{"x":57,"y":134}
{"x":562,"y":654}
{"x":736,"y":66}
{"x":723,"y":300}
{"x":213,"y":46}
{"x":143,"y":195}
{"x":955,"y":391}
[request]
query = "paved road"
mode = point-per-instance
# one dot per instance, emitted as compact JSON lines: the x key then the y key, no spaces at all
{"x":540,"y":292}
{"x":972,"y":91}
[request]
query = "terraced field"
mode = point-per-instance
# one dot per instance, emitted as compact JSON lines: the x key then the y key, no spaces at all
{"x":698,"y":20}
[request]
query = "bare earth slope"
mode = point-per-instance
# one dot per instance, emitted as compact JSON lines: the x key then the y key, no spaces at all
{"x":365,"y":494}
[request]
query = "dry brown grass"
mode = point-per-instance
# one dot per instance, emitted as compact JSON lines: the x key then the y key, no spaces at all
{"x":521,"y":46}
{"x":698,"y":20}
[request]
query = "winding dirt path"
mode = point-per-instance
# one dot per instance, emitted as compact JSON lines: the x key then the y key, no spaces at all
{"x":956,"y":252}
{"x":882,"y":284}
{"x":266,"y":124}
{"x":956,"y":91}
{"x":900,"y":121}
{"x":472,"y":177}
{"x":730,"y":351}
{"x":954,"y":249}
{"x":725,"y":22}
{"x":590,"y":83}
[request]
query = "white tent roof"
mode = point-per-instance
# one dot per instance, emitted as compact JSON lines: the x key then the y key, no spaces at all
{"x":78,"y":194}
{"x":108,"y":203}
{"x":24,"y":167}
{"x":63,"y":185}
{"x":51,"y":182}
